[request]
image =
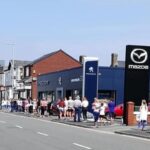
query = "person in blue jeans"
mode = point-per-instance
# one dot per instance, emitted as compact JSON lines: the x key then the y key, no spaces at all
{"x":96,"y":110}
{"x":77,"y":109}
{"x":143,"y":114}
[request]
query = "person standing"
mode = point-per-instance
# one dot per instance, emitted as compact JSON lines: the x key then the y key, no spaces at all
{"x":111,"y":107}
{"x":77,"y":108}
{"x":85,"y":105}
{"x":70,"y":107}
{"x":143,"y":113}
{"x":66,"y":108}
{"x":102,"y":113}
{"x":49,"y":105}
{"x":96,"y":110}
{"x":43,"y":107}
{"x":61,"y":106}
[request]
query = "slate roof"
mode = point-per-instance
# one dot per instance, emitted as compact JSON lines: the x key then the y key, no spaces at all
{"x":18,"y":63}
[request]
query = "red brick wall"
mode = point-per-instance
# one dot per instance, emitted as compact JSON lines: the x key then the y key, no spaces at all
{"x":130,"y":110}
{"x":58,"y":61}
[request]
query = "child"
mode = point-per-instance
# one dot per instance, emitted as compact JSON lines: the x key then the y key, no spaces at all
{"x":138,"y":120}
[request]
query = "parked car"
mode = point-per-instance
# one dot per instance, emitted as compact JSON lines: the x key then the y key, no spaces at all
{"x":118,"y":111}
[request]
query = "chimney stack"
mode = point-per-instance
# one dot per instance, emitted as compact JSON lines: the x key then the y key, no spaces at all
{"x":114,"y":60}
{"x":81,"y":58}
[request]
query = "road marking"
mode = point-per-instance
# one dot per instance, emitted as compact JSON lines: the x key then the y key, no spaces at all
{"x":19,"y":127}
{"x":79,"y":145}
{"x":2,"y":121}
{"x":44,"y":134}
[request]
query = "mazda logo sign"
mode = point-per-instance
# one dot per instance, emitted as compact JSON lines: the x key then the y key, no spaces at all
{"x":139,"y":56}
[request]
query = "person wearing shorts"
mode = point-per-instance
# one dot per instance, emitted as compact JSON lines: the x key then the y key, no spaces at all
{"x":70,"y":107}
{"x":61,"y":106}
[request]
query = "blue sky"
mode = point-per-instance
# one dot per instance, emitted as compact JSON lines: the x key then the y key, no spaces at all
{"x":79,"y":27}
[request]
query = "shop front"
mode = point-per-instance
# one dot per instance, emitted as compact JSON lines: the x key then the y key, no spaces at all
{"x":60,"y":84}
{"x":69,"y":83}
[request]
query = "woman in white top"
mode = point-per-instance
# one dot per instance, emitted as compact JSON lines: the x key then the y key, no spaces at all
{"x":143,"y":113}
{"x":66,"y":107}
{"x":102,"y":113}
{"x":70,"y":107}
{"x":85,"y":105}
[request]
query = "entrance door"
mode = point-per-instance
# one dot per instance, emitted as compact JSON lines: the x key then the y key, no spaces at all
{"x":68,"y":93}
{"x":59,"y":93}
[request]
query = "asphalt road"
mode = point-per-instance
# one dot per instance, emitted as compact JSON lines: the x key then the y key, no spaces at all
{"x":26,"y":133}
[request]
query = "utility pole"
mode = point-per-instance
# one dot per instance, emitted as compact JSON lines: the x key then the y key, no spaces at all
{"x":12,"y":69}
{"x":12,"y":65}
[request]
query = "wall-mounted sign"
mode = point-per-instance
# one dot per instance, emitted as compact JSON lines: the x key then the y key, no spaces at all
{"x":138,"y":58}
{"x":43,"y":83}
{"x":75,"y":80}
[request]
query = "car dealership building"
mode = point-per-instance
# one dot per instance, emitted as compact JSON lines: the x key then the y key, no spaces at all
{"x":70,"y":82}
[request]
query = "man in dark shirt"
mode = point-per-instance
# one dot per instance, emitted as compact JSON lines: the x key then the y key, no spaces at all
{"x":111,"y":106}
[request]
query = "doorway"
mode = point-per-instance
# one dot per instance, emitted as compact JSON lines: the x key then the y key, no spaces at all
{"x":59,"y":93}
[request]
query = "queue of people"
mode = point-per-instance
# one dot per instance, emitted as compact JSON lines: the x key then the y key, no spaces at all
{"x":17,"y":105}
{"x":73,"y":108}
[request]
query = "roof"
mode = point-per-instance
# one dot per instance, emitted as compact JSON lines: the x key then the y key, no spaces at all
{"x":18,"y":63}
{"x":50,"y":54}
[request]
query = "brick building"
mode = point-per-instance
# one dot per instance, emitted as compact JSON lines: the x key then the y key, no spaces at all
{"x":55,"y":61}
